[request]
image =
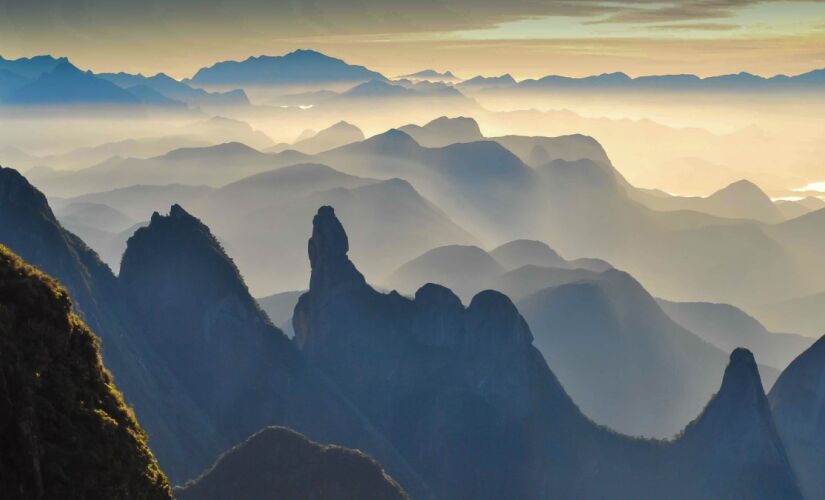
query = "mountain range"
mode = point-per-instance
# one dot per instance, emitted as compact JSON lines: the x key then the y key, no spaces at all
{"x":150,"y":336}
{"x":475,"y":370}
{"x":452,"y":367}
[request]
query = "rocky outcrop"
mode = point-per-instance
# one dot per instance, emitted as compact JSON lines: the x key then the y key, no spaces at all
{"x":738,"y":431}
{"x":279,"y":463}
{"x":65,"y":431}
{"x":473,"y":407}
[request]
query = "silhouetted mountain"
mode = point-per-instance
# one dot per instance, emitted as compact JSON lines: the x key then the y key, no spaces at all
{"x":337,"y":135}
{"x":240,"y":372}
{"x":463,"y":269}
{"x":173,"y":89}
{"x":28,"y":227}
{"x":298,"y":67}
{"x":65,"y":431}
{"x":444,"y":131}
{"x":67,"y":85}
{"x":727,"y":327}
{"x":798,"y":404}
{"x":737,"y":429}
{"x":279,"y":463}
{"x":190,"y":422}
{"x":485,"y":82}
{"x":31,"y":68}
{"x":741,"y":82}
{"x":187,"y":296}
{"x":470,"y":402}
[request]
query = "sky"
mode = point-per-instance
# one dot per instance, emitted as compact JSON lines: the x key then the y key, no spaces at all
{"x":526,"y":38}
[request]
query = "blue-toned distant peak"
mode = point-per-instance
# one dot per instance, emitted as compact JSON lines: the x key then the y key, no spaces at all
{"x":298,"y":67}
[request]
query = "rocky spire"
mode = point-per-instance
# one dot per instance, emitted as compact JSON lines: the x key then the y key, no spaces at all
{"x":737,"y":427}
{"x":328,"y":249}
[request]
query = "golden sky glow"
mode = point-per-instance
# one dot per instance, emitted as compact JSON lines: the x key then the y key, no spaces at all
{"x":522,"y":37}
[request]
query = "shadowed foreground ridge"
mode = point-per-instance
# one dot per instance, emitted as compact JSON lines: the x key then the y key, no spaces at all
{"x":65,"y":431}
{"x":471,"y":404}
{"x":279,"y":463}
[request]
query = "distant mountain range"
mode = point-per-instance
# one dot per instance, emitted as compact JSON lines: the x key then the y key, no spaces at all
{"x":812,"y":80}
{"x":308,"y":67}
{"x":46,"y":81}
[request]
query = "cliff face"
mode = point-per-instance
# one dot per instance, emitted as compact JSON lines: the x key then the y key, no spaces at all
{"x":189,"y":300}
{"x":471,"y":404}
{"x":240,"y":372}
{"x":278,"y":463}
{"x":798,"y":403}
{"x":65,"y":431}
{"x":29,"y":228}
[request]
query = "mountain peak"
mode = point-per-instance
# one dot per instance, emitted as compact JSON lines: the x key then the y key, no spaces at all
{"x":328,"y":248}
{"x":742,"y":185}
{"x":738,"y":418}
{"x":15,"y":189}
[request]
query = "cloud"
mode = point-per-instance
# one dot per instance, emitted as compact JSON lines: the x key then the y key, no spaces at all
{"x":695,"y":26}
{"x":291,"y":18}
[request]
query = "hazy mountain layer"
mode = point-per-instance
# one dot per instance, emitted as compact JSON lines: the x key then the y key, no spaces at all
{"x":727,"y":327}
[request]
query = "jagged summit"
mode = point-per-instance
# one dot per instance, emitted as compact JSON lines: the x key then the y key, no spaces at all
{"x":182,"y":244}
